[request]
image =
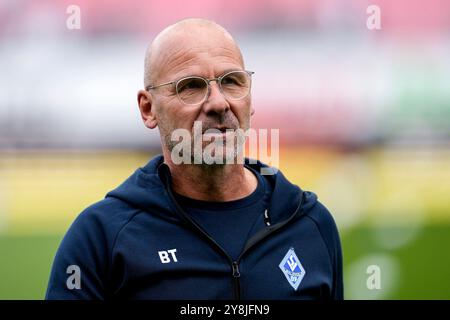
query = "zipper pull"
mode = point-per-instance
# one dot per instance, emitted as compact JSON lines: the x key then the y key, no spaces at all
{"x":266,"y":218}
{"x":236,"y":272}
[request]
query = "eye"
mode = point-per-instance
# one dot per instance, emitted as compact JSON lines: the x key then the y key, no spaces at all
{"x":234,"y":79}
{"x":191,"y":84}
{"x":230,"y":79}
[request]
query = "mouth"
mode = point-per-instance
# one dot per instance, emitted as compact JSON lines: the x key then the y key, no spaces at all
{"x":222,"y":129}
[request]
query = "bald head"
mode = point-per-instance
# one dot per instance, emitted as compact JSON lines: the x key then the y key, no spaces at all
{"x":173,"y":41}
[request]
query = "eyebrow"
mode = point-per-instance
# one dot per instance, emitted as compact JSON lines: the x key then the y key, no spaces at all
{"x":198,"y":75}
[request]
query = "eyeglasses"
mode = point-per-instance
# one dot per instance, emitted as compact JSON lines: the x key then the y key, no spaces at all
{"x":234,"y":85}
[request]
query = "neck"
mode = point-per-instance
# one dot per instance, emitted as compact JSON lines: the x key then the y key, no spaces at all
{"x":212,"y":182}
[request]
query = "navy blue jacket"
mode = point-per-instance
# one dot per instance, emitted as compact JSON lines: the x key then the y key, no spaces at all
{"x":138,"y":243}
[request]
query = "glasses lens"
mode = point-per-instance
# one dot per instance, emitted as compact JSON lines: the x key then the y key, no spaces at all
{"x":192,"y":90}
{"x":236,"y":85}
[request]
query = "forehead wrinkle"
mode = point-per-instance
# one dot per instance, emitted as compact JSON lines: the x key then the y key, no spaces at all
{"x":189,"y":58}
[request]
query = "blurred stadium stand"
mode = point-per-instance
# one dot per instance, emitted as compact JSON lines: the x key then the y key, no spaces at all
{"x":321,"y":76}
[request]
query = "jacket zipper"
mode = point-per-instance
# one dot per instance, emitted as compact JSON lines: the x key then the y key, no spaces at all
{"x":258,"y":238}
{"x":236,"y":274}
{"x":234,"y":264}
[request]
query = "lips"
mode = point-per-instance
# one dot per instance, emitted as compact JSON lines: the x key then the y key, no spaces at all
{"x":220,"y":128}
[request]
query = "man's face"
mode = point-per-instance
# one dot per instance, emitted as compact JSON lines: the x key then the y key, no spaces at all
{"x":210,"y":57}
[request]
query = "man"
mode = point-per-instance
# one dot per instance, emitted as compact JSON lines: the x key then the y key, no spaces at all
{"x":200,"y":229}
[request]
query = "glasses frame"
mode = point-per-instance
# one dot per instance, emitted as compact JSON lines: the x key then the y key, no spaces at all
{"x":208,"y":82}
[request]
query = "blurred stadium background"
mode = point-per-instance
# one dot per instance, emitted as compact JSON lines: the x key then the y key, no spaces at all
{"x":364,"y":119}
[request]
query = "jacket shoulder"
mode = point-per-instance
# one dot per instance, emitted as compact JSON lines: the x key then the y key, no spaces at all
{"x":325,"y":223}
{"x":103,"y":220}
{"x":109,"y":211}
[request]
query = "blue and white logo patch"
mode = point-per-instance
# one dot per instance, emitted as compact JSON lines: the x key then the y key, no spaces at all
{"x":292,"y":268}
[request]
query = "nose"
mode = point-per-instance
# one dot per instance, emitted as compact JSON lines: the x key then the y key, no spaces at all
{"x":215,"y":102}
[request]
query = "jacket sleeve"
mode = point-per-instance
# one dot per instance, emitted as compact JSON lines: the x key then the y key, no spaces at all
{"x":338,"y":280}
{"x":330,"y":235}
{"x":80,"y":266}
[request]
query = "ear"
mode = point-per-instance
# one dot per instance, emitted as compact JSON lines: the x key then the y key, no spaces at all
{"x":252,"y":110}
{"x":145,"y":107}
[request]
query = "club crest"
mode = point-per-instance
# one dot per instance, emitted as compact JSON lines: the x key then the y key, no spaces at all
{"x":292,"y":268}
